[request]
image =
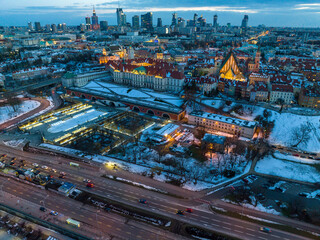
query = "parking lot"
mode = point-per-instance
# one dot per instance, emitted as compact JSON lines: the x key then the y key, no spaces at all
{"x":287,"y":198}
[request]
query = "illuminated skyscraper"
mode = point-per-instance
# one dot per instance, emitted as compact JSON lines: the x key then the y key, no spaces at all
{"x":135,"y":22}
{"x":147,"y":21}
{"x":121,"y":17}
{"x":95,"y":21}
{"x":88,"y":23}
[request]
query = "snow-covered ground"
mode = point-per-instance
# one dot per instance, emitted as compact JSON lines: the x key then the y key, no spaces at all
{"x":14,"y":143}
{"x":7,"y":112}
{"x":288,"y":169}
{"x":284,"y":123}
{"x":295,"y":159}
{"x":259,"y":207}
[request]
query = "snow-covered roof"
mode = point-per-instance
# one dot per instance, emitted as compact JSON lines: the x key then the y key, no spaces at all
{"x":167,"y":129}
{"x":224,"y":119}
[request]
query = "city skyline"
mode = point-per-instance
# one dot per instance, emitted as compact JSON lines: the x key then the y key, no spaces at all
{"x":72,"y":12}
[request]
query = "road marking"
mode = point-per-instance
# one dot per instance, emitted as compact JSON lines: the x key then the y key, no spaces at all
{"x":90,"y":219}
{"x":81,"y":216}
{"x":238,"y":226}
{"x":250,"y":234}
{"x":262,"y":238}
{"x":252,"y":230}
{"x":118,"y":229}
{"x":108,"y":226}
{"x":237,"y":231}
{"x":226,"y":227}
{"x":99,"y":222}
{"x":128,"y":233}
{"x":275,"y":236}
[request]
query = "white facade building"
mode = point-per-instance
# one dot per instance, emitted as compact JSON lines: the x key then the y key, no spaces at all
{"x":213,"y":122}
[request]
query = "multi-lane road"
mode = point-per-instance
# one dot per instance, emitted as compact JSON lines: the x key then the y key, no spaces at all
{"x":161,"y":204}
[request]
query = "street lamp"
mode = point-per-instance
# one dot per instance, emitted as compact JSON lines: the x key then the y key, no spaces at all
{"x":42,"y":201}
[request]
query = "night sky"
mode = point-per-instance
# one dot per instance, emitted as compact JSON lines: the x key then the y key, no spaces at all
{"x":72,"y":12}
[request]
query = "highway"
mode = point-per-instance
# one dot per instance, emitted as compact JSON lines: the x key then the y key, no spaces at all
{"x":160,"y":203}
{"x":96,"y":224}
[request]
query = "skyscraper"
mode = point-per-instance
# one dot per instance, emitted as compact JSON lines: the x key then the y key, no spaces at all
{"x":103,"y":25}
{"x":159,"y":23}
{"x":147,"y":21}
{"x":37,"y":26}
{"x":135,"y":22}
{"x":64,"y":27}
{"x":215,"y":21}
{"x":174,"y":20}
{"x":54,"y":28}
{"x":95,"y":21}
{"x":181,"y":22}
{"x":245,"y":22}
{"x":121,"y":17}
{"x":195,"y":19}
{"x":30,"y":27}
{"x":88,"y":23}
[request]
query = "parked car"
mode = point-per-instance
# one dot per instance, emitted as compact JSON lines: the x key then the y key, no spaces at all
{"x":44,"y":167}
{"x":86,"y":180}
{"x":264,"y":229}
{"x":35,"y":164}
{"x":43,"y":209}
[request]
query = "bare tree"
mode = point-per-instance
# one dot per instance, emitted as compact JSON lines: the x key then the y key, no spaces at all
{"x":12,"y":100}
{"x":300,"y":135}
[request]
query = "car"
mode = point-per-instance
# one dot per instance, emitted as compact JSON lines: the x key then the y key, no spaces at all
{"x":143,"y":201}
{"x":245,"y":180}
{"x":264,"y":229}
{"x":253,"y":177}
{"x":53,"y":170}
{"x":310,"y":157}
{"x":303,"y":194}
{"x":62,"y":176}
{"x":54,"y":213}
{"x":179,"y":212}
{"x":273,"y":146}
{"x":90,"y":185}
{"x":189,"y":210}
{"x":13,"y":159}
{"x":44,"y":167}
{"x":313,"y":154}
{"x":86,"y":180}
{"x":4,"y":155}
{"x":43,"y":209}
{"x":296,"y":155}
{"x":35,"y":164}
